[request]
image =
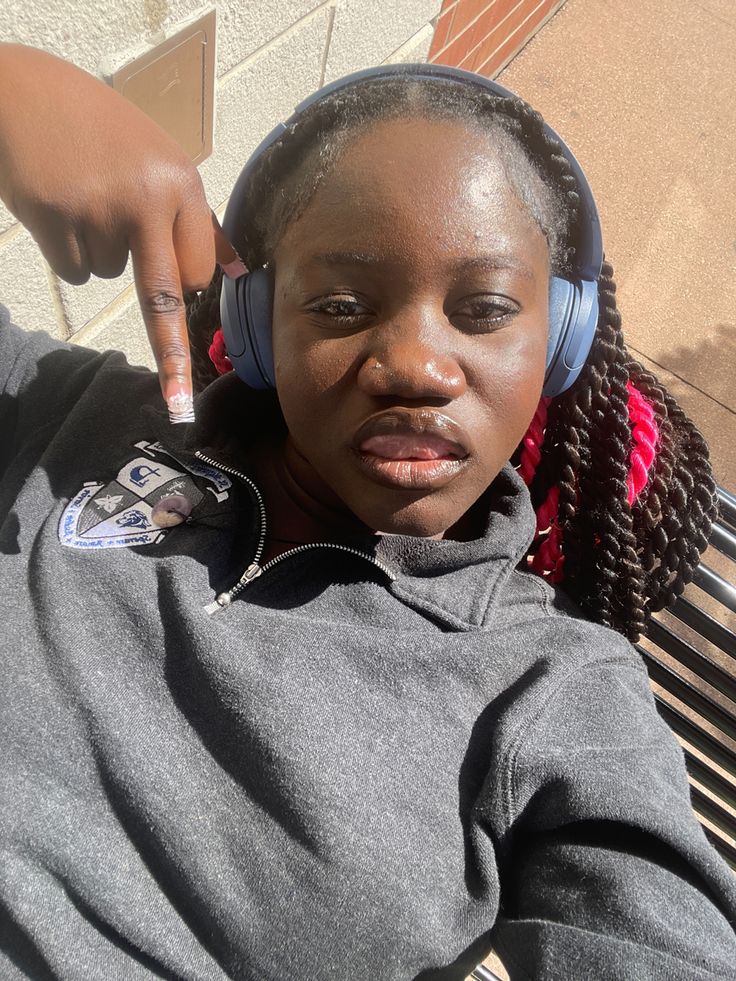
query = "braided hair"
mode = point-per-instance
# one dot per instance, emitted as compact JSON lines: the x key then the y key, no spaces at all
{"x":618,"y":475}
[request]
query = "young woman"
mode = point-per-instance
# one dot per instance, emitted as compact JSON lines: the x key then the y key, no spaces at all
{"x":286,"y":690}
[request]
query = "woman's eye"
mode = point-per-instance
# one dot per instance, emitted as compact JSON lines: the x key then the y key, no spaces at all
{"x":484,"y":312}
{"x":340,"y":309}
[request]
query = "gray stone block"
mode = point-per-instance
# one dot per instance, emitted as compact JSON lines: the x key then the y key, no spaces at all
{"x":289,"y":37}
{"x":24,"y":286}
{"x":414,"y":50}
{"x":96,"y":32}
{"x":6,"y":219}
{"x":366,"y":32}
{"x":123,"y":331}
{"x":243,"y":28}
{"x":81,"y":303}
{"x":253,"y":100}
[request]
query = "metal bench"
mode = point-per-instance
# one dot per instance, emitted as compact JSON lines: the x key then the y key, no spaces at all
{"x":690,"y":654}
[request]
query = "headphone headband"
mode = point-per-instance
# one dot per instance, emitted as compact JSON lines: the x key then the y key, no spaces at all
{"x":246,"y":308}
{"x":589,"y":254}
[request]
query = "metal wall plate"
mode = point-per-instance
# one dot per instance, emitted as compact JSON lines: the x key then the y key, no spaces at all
{"x":174,"y":84}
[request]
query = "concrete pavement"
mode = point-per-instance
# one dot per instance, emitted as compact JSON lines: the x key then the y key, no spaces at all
{"x":644,"y":92}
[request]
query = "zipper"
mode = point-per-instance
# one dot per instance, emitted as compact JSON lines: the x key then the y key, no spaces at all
{"x":254,"y":570}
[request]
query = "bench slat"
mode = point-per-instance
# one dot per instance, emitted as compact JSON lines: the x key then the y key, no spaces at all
{"x":689,"y":730}
{"x":482,"y":973}
{"x":724,"y":848}
{"x":715,"y":813}
{"x":727,"y":507}
{"x":706,"y":625}
{"x":716,"y":586}
{"x":689,"y":695}
{"x":723,"y":540}
{"x":716,"y":784}
{"x":693,"y":659}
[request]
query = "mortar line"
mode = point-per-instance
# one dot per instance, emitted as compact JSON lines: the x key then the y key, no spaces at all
{"x":114,"y":306}
{"x":272,"y":42}
{"x":472,"y":22}
{"x":559,"y":5}
{"x":389,"y":60}
{"x":519,"y":28}
{"x":326,"y":52}
{"x":10,"y":233}
{"x":56,"y":300}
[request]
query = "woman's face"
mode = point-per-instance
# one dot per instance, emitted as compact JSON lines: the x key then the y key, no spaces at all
{"x":410,"y":326}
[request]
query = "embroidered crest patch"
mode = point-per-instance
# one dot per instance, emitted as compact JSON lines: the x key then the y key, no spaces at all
{"x":118,"y":514}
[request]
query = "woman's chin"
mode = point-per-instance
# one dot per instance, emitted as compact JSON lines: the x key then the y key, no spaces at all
{"x":418,"y":519}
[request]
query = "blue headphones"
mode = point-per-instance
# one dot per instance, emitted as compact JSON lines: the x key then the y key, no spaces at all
{"x":246,"y":304}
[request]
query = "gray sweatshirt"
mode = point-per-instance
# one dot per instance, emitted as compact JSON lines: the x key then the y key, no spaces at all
{"x":375,"y":762}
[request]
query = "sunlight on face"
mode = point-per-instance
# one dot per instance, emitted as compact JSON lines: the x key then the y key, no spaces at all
{"x":410,"y":325}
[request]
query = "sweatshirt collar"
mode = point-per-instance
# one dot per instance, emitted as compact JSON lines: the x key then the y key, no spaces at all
{"x":458,"y":584}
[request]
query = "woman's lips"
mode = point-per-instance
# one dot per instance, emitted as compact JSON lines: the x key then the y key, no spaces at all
{"x":414,"y":451}
{"x":411,"y":474}
{"x":411,"y":446}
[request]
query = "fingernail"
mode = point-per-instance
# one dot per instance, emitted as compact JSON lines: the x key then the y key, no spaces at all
{"x":235,"y":268}
{"x":181,"y":407}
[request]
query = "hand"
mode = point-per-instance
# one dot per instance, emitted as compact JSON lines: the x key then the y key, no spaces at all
{"x":93,"y":178}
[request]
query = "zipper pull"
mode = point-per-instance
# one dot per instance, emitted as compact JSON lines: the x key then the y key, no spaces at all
{"x":252,"y":572}
{"x":223,"y":600}
{"x":219,"y":603}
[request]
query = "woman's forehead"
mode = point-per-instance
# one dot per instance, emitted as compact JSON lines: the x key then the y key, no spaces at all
{"x":391,"y":153}
{"x":414,"y":180}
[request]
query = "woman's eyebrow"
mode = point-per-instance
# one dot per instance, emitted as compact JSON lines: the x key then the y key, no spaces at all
{"x":483,"y":263}
{"x":348,"y":259}
{"x":491,"y":263}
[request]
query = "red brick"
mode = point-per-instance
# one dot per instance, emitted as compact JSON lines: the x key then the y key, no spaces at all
{"x":460,"y":41}
{"x":467,"y":11}
{"x":486,"y":43}
{"x":484,"y":26}
{"x":514,"y":21}
{"x":455,"y":51}
{"x":442,"y":31}
{"x":487,"y":24}
{"x":475,"y":47}
{"x":498,"y":57}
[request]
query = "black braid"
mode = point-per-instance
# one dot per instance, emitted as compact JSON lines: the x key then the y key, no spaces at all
{"x":691,"y":507}
{"x":203,"y":319}
{"x":613,"y":563}
{"x":621,"y":562}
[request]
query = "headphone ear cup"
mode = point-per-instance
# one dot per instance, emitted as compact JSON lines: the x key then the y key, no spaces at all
{"x":246,"y":315}
{"x":573,"y":317}
{"x":561,"y":301}
{"x":259,"y":318}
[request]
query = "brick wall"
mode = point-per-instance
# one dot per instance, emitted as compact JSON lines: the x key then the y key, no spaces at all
{"x":270,"y":55}
{"x":484,"y":35}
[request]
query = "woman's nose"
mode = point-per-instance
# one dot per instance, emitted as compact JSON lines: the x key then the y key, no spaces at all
{"x":412,"y":359}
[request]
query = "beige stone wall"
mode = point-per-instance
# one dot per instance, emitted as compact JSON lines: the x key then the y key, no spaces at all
{"x":270,"y":55}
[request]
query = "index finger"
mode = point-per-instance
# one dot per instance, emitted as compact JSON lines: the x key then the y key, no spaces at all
{"x":161,"y":300}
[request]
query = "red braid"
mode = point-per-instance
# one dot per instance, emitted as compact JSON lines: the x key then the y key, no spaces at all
{"x":548,"y":560}
{"x":645,"y":435}
{"x":218,"y":353}
{"x":531,"y":445}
